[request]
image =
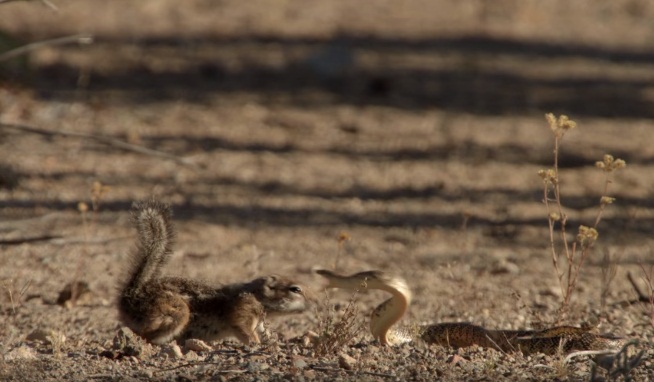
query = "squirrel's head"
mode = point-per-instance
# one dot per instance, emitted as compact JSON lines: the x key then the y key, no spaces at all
{"x":280,"y":295}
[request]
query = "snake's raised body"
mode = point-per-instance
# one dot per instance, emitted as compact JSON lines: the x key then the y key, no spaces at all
{"x":460,"y":334}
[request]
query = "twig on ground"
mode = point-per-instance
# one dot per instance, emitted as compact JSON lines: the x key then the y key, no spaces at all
{"x":47,"y":3}
{"x":78,"y":38}
{"x":103,"y":139}
{"x":586,"y":352}
{"x":621,"y":364}
{"x":24,"y":240}
{"x":100,"y":376}
{"x":60,"y":240}
{"x":191,"y":364}
{"x":353,"y":372}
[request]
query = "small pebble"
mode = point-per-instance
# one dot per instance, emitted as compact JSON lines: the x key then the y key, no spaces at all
{"x":196,"y":345}
{"x":172,"y":351}
{"x":346,"y":362}
{"x":299,"y":362}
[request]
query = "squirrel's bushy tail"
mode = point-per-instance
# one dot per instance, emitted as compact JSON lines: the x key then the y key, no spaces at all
{"x":155,"y":240}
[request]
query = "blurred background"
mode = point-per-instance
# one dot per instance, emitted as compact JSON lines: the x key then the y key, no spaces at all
{"x":290,"y":135}
{"x":338,"y":114}
{"x":293,"y":134}
{"x":507,"y":57}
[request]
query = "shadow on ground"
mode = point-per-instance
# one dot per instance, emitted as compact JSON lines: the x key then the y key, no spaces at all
{"x":473,"y":85}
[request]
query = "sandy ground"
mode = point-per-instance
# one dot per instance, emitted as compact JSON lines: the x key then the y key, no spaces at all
{"x":416,"y":129}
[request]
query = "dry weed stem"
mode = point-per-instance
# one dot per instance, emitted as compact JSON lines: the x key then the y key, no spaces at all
{"x":577,"y":251}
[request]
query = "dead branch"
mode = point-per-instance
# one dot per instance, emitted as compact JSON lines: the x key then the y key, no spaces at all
{"x":24,"y":240}
{"x":47,"y":3}
{"x":78,"y":38}
{"x":102,"y":139}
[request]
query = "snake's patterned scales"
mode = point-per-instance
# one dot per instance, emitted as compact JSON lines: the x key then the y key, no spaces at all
{"x":389,"y":312}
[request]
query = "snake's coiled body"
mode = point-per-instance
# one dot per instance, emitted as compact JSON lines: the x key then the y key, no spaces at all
{"x":460,"y":334}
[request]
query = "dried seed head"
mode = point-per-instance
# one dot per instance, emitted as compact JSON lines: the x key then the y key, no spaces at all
{"x":561,"y":125}
{"x":606,"y":200}
{"x":566,"y":123}
{"x":551,"y":119}
{"x":608,"y":159}
{"x":82,"y":207}
{"x":554,"y":216}
{"x":343,"y":237}
{"x":619,"y":163}
{"x":548,"y":176}
{"x":98,"y":188}
{"x":609,"y":164}
{"x":587,"y":236}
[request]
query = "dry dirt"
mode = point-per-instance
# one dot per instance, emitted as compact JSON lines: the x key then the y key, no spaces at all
{"x":415,"y":128}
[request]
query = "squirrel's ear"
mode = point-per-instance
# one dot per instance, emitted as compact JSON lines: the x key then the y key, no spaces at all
{"x":270,"y":282}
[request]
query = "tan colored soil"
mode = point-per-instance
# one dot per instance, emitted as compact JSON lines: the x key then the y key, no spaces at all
{"x":415,"y":127}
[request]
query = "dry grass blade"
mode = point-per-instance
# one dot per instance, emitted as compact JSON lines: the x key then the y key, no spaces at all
{"x":47,"y":3}
{"x":103,"y":139}
{"x":78,"y":38}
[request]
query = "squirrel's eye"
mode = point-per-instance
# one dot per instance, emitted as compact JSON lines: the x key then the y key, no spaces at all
{"x":295,"y":289}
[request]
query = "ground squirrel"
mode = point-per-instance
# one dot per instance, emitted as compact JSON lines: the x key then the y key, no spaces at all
{"x":161,"y":309}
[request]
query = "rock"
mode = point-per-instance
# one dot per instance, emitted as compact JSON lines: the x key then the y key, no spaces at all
{"x":196,"y":345}
{"x":145,"y":374}
{"x":455,"y":359}
{"x":309,"y":374}
{"x":504,"y":266}
{"x":310,"y":338}
{"x":127,"y":343}
{"x":24,"y":353}
{"x":192,"y":356}
{"x":346,"y":362}
{"x":256,"y":366}
{"x":299,"y":362}
{"x":172,"y":350}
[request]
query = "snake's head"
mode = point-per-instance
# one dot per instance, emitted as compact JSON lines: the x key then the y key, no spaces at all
{"x":389,"y":282}
{"x":330,"y":276}
{"x":354,"y":281}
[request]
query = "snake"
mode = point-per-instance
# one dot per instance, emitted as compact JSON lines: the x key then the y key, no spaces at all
{"x":383,"y":320}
